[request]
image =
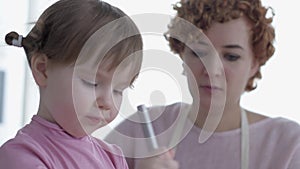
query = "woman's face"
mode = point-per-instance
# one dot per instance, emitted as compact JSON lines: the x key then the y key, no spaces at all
{"x":222,"y":65}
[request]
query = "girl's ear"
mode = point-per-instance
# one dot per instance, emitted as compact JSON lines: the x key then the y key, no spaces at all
{"x":39,"y":64}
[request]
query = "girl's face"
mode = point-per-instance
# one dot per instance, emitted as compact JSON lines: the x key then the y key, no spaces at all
{"x":81,"y":99}
{"x":222,"y":65}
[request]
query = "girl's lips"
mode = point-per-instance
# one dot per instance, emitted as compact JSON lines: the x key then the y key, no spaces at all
{"x":95,"y":119}
{"x":103,"y":117}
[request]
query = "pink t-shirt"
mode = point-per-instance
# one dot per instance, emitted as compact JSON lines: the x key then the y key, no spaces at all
{"x":41,"y":145}
{"x":274,"y":142}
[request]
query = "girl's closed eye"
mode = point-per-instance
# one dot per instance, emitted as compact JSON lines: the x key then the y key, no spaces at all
{"x":118,"y":91}
{"x":231,"y":57}
{"x":89,"y":83}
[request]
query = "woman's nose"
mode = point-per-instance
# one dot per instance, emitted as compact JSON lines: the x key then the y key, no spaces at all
{"x":213,"y":65}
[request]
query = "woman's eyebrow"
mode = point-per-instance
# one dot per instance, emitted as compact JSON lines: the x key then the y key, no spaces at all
{"x":233,"y":46}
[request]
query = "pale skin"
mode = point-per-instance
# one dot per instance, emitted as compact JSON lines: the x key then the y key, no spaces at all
{"x":230,"y":66}
{"x":231,"y":42}
{"x":78,"y":103}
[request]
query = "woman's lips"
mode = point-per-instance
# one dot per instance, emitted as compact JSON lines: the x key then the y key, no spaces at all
{"x":210,"y":88}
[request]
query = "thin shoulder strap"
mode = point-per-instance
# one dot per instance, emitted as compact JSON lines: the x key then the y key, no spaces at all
{"x":244,"y":140}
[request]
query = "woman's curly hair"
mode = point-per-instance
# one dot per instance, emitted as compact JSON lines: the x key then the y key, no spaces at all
{"x":203,"y":13}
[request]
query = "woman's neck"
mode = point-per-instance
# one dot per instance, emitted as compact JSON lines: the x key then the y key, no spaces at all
{"x":221,"y":119}
{"x":230,"y":119}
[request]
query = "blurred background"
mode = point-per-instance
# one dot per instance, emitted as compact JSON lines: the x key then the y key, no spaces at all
{"x":277,"y":93}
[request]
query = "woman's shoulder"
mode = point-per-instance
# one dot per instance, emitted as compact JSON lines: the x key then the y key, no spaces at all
{"x":278,"y":136}
{"x":278,"y":123}
{"x":279,"y":128}
{"x":274,"y":122}
{"x":285,"y":125}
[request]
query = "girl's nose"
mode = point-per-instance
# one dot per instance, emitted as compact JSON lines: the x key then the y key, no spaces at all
{"x":104,"y":99}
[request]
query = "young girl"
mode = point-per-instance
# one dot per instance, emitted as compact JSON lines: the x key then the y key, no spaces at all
{"x":82,"y":54}
{"x":222,"y":60}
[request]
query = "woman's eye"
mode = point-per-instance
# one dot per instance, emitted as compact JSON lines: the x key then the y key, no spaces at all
{"x":231,"y":57}
{"x":89,"y":83}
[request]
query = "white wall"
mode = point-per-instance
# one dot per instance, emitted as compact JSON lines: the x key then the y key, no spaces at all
{"x":21,"y":94}
{"x":278,"y":92}
{"x":12,"y":62}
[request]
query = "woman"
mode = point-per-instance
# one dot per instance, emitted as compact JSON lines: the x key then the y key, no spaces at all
{"x":222,"y":60}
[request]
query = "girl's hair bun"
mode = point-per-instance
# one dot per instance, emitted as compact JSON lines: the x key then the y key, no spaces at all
{"x":13,"y":38}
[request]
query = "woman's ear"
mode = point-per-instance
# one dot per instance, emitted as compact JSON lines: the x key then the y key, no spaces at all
{"x":39,"y":63}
